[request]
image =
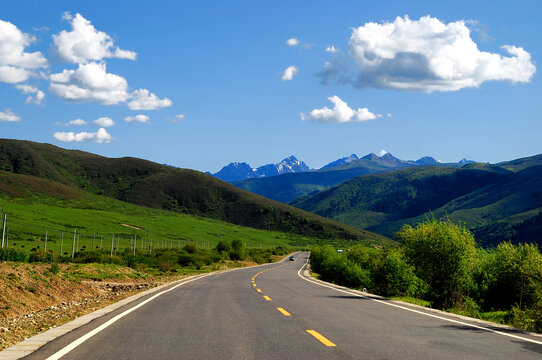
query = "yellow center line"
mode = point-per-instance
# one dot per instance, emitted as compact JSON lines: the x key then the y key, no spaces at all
{"x":258,"y":290}
{"x":267,"y":298}
{"x":284,"y":312}
{"x":321,"y":338}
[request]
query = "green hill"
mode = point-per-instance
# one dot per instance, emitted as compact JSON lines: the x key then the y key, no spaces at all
{"x":495,"y":203}
{"x":157,"y":186}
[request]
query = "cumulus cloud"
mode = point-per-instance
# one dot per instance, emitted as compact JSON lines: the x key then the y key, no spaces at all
{"x":84,"y":43}
{"x":16,"y":65}
{"x":76,"y":122}
{"x":340,"y":113}
{"x":292,"y":42}
{"x":101,"y":136}
{"x":138,"y":118}
{"x":9,"y":116}
{"x":289,"y":73}
{"x":35,"y":95}
{"x":382,"y":153}
{"x":90,"y":82}
{"x":425,"y":55}
{"x":142,"y":99}
{"x":331,"y":49}
{"x":104,"y":122}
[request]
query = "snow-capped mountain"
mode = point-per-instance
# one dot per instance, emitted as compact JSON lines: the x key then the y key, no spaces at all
{"x":240,"y":171}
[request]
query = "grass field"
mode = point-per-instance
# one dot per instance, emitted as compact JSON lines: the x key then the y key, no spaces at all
{"x":96,"y":219}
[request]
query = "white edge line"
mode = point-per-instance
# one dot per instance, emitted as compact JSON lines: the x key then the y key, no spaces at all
{"x":60,"y":353}
{"x":416,"y":311}
{"x":90,"y":334}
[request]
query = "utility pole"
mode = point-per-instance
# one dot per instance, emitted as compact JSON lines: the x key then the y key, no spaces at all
{"x":61,"y":242}
{"x":73,"y":246}
{"x":4,"y":231}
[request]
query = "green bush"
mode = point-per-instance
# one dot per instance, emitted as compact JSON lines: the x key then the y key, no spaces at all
{"x":223,"y":246}
{"x":238,"y":251}
{"x":13,"y":255}
{"x":443,"y":255}
{"x":514,"y":277}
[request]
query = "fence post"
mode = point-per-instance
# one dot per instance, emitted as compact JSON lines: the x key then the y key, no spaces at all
{"x":61,"y":243}
{"x":73,"y":246}
{"x":101,"y":242}
{"x":45,"y":241}
{"x":112,"y":240}
{"x":93,"y":240}
{"x":4,"y":231}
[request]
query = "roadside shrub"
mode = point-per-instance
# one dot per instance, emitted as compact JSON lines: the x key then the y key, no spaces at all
{"x":443,"y":255}
{"x":191,"y":248}
{"x":13,"y":255}
{"x":237,"y":251}
{"x":223,"y":246}
{"x":514,"y":277}
{"x":393,"y":276}
{"x":41,"y":256}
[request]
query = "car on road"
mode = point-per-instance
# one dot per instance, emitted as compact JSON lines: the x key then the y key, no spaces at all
{"x":292,"y":258}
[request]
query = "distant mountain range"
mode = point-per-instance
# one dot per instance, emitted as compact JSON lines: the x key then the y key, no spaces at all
{"x":302,"y":181}
{"x":239,"y":171}
{"x":497,"y":202}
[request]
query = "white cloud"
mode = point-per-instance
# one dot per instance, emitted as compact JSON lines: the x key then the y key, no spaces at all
{"x":382,"y":153}
{"x":35,"y":95}
{"x":426,"y":55}
{"x":16,"y":65}
{"x":104,"y":122}
{"x":101,"y":136}
{"x":138,"y":118}
{"x":289,"y":73}
{"x":340,"y":113}
{"x":142,"y":99}
{"x":292,"y":42}
{"x":9,"y":116}
{"x":90,"y":82}
{"x":179,"y":117}
{"x":84,"y":43}
{"x":76,"y":122}
{"x":331,"y":49}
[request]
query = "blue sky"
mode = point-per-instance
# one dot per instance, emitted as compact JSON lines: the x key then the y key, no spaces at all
{"x":204,"y":83}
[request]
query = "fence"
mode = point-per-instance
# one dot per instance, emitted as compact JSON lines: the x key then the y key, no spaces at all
{"x":67,"y":241}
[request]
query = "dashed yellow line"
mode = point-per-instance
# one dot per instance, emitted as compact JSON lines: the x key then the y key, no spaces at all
{"x":284,"y":312}
{"x":267,"y":298}
{"x":258,"y":290}
{"x":321,"y":338}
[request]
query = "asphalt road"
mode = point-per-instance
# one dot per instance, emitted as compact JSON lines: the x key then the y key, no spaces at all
{"x":272,"y":312}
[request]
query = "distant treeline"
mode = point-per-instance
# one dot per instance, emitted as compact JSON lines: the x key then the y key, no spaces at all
{"x":439,"y":262}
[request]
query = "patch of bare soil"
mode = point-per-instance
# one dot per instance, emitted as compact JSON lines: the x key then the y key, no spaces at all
{"x":34,"y":299}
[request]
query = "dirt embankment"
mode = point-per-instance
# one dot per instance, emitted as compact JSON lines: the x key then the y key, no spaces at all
{"x":36,"y":297}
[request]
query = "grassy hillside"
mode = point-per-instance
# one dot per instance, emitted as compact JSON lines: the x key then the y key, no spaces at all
{"x":149,"y":184}
{"x":496,"y":204}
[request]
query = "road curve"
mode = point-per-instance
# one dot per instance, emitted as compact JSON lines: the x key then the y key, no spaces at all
{"x":273,"y":312}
